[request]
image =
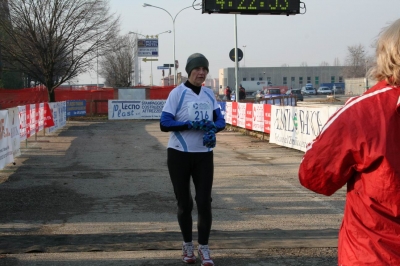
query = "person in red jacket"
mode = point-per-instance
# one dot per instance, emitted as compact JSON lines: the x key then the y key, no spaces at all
{"x":360,"y":146}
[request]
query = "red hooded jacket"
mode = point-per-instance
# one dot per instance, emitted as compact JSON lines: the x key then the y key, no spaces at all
{"x":360,"y":146}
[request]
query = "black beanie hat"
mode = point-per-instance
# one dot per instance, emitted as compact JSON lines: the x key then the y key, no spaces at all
{"x":196,"y":60}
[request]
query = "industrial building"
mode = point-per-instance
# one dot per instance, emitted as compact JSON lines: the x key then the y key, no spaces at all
{"x":293,"y":77}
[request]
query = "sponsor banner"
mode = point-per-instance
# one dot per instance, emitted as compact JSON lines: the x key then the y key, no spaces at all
{"x":267,"y":118}
{"x":258,"y":117}
{"x":76,"y":108}
{"x":59,"y":112}
{"x":22,"y":122}
{"x":228,"y":113}
{"x":6,"y":152}
{"x":234,"y":113}
{"x":14,"y":124}
{"x":249,"y":116}
{"x":32,"y":119}
{"x":295,"y":127}
{"x":241,"y":115}
{"x":48,"y":116}
{"x":41,"y":117}
{"x":118,"y":109}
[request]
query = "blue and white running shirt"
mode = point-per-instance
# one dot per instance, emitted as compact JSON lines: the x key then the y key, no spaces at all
{"x":186,"y":105}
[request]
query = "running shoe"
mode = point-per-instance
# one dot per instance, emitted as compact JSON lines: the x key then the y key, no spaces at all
{"x":204,"y":255}
{"x":188,"y":253}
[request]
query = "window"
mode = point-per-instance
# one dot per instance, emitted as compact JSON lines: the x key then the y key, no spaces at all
{"x":300,"y":80}
{"x":293,"y":79}
{"x":244,"y":79}
{"x":252,"y":79}
{"x":332,"y":79}
{"x":284,"y":80}
{"x":269,"y":79}
{"x":308,"y":79}
{"x":316,"y":81}
{"x":259,"y":78}
{"x":340,"y":79}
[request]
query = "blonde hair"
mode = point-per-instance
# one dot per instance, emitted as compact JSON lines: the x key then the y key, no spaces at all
{"x":388,"y":55}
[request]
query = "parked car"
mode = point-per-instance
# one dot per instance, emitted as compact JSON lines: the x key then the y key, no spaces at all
{"x":272,"y":93}
{"x":308,"y":90}
{"x":297,"y":93}
{"x":324,"y":90}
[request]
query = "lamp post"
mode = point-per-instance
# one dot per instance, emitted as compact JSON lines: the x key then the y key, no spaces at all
{"x":151,"y":62}
{"x":173,"y":27}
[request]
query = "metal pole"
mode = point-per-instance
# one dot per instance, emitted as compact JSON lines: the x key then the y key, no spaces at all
{"x":366,"y":75}
{"x":236,"y":63}
{"x":151,"y":72}
{"x":173,"y":27}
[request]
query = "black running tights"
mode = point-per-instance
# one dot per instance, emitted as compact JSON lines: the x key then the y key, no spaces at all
{"x":199,"y":166}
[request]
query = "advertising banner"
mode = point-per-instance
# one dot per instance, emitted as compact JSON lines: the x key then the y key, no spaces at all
{"x":295,"y":127}
{"x":118,"y":109}
{"x":59,"y":111}
{"x":234,"y":113}
{"x":267,"y":118}
{"x":6,"y":153}
{"x":249,"y":116}
{"x":76,"y":108}
{"x":32,"y":119}
{"x":258,"y":117}
{"x":22,"y":122}
{"x":241,"y":115}
{"x":228,"y":112}
{"x":13,"y":125}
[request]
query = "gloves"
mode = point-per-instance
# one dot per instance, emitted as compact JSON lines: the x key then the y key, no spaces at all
{"x":189,"y":124}
{"x":205,"y":125}
{"x":209,"y":139}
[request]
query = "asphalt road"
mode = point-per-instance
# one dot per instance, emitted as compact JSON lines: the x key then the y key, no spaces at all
{"x":98,"y":193}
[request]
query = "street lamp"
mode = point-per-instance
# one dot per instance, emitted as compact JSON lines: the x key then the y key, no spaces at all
{"x":151,"y":62}
{"x":173,"y":26}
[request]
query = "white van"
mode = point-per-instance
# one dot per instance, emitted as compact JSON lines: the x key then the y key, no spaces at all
{"x":308,"y":90}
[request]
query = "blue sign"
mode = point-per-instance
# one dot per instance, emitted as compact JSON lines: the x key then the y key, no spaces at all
{"x":76,"y":108}
{"x":162,"y":67}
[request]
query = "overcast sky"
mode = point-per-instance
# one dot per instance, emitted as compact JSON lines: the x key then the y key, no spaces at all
{"x":323,"y":33}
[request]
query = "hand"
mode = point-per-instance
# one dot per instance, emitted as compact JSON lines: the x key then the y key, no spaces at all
{"x":209,"y":139}
{"x":205,"y":125}
{"x":189,"y":124}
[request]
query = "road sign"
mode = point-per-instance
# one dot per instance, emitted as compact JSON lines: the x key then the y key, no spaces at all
{"x":149,"y":59}
{"x":162,"y":67}
{"x":232,"y":54}
{"x":168,"y":65}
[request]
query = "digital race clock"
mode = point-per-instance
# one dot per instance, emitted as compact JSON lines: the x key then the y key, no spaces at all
{"x":255,"y":7}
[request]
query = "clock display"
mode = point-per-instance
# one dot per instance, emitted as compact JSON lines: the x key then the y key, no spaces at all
{"x":255,"y":7}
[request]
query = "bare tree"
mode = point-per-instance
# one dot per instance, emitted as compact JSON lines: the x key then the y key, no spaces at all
{"x":336,"y":62}
{"x":303,"y":64}
{"x":117,"y":65}
{"x":54,"y":41}
{"x":324,"y":63}
{"x":355,"y":62}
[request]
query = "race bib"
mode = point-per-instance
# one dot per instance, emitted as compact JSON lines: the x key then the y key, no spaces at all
{"x":199,"y":111}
